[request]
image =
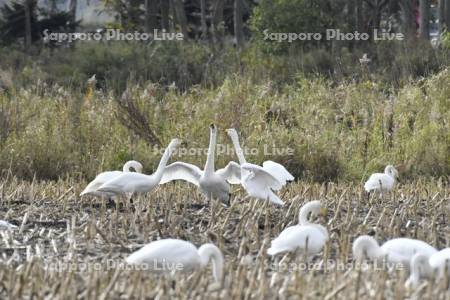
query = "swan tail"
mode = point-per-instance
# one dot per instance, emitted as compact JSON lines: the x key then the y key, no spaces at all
{"x":275,"y":199}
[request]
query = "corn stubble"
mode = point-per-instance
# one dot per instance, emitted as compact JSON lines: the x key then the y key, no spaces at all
{"x":87,"y":236}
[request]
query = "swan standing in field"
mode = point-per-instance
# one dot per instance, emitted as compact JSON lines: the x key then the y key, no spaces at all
{"x":214,"y":184}
{"x":399,"y":250}
{"x":171,"y":255}
{"x":422,"y":266}
{"x":382,"y":181}
{"x":260,"y":182}
{"x":130,"y":183}
{"x":100,"y":179}
{"x":306,"y":236}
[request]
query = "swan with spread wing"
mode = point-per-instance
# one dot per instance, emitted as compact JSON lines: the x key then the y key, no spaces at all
{"x":215,"y":184}
{"x":260,"y":182}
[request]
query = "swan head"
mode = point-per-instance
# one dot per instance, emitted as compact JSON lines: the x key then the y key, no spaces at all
{"x":313,"y":207}
{"x":212,"y":127}
{"x":366,"y":247}
{"x":232,"y":133}
{"x":420,"y":267}
{"x":391,"y":171}
{"x":174,"y":143}
{"x":137,"y":166}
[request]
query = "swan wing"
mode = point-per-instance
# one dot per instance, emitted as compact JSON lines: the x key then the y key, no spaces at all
{"x":231,"y":173}
{"x":379,"y":181}
{"x":99,"y":180}
{"x":260,"y":178}
{"x":182,"y":171}
{"x":129,"y":182}
{"x":298,"y":236}
{"x":278,"y":171}
{"x":166,"y":253}
{"x":401,"y":250}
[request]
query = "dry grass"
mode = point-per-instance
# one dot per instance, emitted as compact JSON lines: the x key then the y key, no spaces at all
{"x":56,"y":225}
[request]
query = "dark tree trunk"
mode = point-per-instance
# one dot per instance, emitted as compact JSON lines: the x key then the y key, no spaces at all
{"x":203,"y":18}
{"x":151,"y":10}
{"x":73,"y":10}
{"x":447,"y":14}
{"x":425,"y":19}
{"x":441,"y":15}
{"x":408,"y":20}
{"x":181,"y":16}
{"x":27,"y":6}
{"x":217,"y":20}
{"x":238,"y":25}
{"x":359,"y":16}
{"x":165,"y":8}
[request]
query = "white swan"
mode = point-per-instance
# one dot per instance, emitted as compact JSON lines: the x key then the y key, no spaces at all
{"x":422,"y":266}
{"x":306,"y":236}
{"x":260,"y":182}
{"x":130,"y":183}
{"x":440,"y":263}
{"x":4,"y":225}
{"x":399,"y":250}
{"x":212,"y":183}
{"x":100,"y":179}
{"x":171,"y":255}
{"x":382,"y":181}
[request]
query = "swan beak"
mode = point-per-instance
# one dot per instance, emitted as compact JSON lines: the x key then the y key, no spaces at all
{"x":212,"y":126}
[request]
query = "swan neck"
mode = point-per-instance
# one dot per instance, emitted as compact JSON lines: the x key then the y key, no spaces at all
{"x":305,"y":210}
{"x":211,"y":252}
{"x":132,"y":164}
{"x":303,"y":217}
{"x":238,"y":149}
{"x":163,"y":163}
{"x":370,"y":247}
{"x":209,"y":166}
{"x":419,"y":267}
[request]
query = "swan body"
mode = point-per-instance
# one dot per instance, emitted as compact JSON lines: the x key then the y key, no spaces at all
{"x":178,"y":255}
{"x":214,"y":184}
{"x":308,"y":237}
{"x":440,"y":262}
{"x":422,"y":266}
{"x":130,"y":183}
{"x":382,"y":181}
{"x":100,"y":179}
{"x":399,"y":250}
{"x":260,"y":182}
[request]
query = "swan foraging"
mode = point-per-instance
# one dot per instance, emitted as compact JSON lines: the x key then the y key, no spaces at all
{"x":422,"y":266}
{"x":399,"y":250}
{"x":171,"y":255}
{"x":100,"y":179}
{"x":212,"y":183}
{"x":306,"y":236}
{"x":382,"y":181}
{"x":130,"y":183}
{"x":440,"y":262}
{"x":260,"y":182}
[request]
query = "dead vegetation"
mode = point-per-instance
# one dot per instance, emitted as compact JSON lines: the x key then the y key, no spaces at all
{"x":70,"y":248}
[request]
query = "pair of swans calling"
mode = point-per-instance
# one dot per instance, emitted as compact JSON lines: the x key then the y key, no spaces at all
{"x":306,"y":237}
{"x":117,"y":183}
{"x":259,"y":182}
{"x":172,"y":255}
{"x":436,"y":265}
